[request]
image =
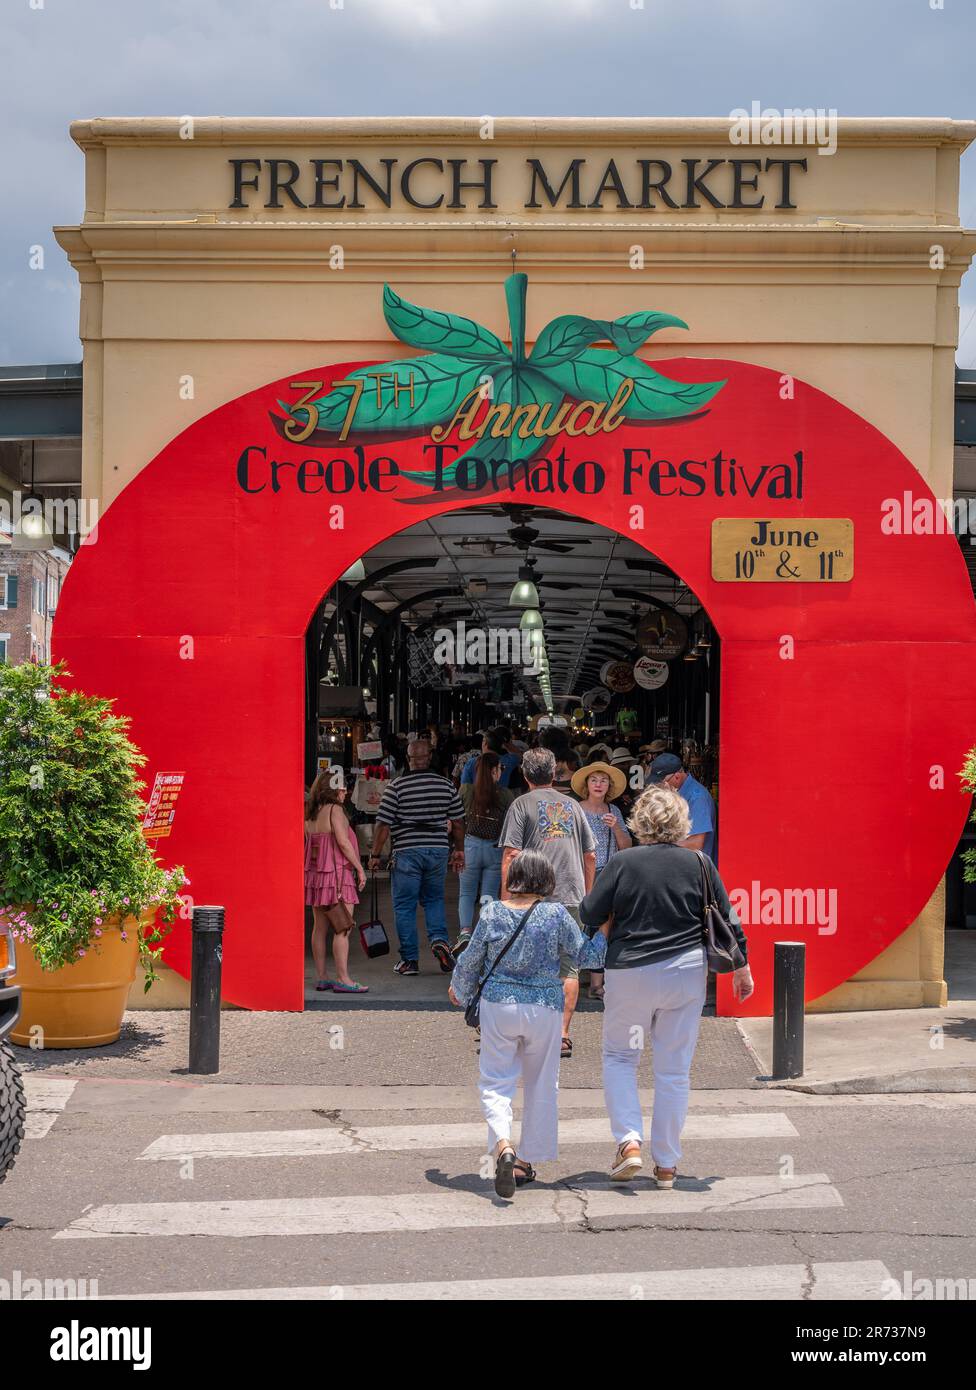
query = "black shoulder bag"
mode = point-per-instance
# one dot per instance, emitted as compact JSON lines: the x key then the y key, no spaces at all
{"x":722,"y":950}
{"x":472,"y":1012}
{"x":372,"y":934}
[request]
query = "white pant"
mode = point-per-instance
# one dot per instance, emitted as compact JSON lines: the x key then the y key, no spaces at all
{"x":660,"y":1003}
{"x":521,"y":1040}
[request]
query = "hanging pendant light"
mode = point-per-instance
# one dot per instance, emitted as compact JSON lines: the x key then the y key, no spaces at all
{"x":531,"y":618}
{"x":355,"y":574}
{"x":524,"y":594}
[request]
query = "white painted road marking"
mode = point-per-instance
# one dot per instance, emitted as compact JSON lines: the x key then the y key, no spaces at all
{"x":854,"y":1280}
{"x":422,"y":1211}
{"x":302,"y":1143}
{"x":46,"y":1097}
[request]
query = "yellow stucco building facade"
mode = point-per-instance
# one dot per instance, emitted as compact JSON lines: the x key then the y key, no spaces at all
{"x":218,"y":254}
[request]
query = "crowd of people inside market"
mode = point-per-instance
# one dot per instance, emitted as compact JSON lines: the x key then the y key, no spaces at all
{"x":609,"y":850}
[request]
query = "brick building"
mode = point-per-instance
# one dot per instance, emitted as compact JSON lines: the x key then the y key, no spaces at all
{"x":30,"y":586}
{"x":40,"y":457}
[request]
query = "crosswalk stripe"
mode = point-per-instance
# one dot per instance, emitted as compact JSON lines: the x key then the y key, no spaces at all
{"x":46,"y":1097}
{"x":851,"y":1280}
{"x":300,"y":1143}
{"x":419,"y":1211}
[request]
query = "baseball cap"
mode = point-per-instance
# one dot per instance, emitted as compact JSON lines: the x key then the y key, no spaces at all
{"x":663,"y":767}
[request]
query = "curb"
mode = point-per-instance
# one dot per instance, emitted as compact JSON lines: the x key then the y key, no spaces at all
{"x":946,"y":1080}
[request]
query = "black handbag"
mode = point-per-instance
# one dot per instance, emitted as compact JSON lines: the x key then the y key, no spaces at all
{"x":722,"y":951}
{"x":372,"y":934}
{"x":472,"y":1012}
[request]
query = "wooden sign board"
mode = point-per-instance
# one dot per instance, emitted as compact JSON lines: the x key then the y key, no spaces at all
{"x":774,"y":550}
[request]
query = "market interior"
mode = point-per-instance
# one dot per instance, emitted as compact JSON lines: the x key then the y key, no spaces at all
{"x":499,"y":614}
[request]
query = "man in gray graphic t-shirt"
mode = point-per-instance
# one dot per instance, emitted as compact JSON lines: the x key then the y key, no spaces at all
{"x":545,"y":820}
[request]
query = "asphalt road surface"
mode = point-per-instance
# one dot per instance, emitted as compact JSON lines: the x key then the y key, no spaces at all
{"x":171,"y":1185}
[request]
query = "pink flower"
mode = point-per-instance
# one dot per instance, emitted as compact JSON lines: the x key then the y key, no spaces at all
{"x":98,"y":933}
{"x":124,"y":936}
{"x":126,"y":901}
{"x":81,"y":953}
{"x":98,"y":923}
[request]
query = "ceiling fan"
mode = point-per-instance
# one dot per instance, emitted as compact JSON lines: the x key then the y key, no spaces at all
{"x":521,"y":536}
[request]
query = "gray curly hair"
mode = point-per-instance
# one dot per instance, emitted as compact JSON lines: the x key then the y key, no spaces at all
{"x":538,"y":767}
{"x":660,"y":816}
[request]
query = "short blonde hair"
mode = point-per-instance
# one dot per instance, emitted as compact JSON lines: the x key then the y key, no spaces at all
{"x":660,"y":816}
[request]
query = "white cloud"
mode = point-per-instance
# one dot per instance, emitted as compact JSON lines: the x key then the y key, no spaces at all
{"x":466,"y":16}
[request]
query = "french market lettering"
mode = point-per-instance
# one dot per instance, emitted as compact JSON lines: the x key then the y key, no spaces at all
{"x":352,"y":184}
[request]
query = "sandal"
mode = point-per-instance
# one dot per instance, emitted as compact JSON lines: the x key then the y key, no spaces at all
{"x":626,"y":1165}
{"x":505,"y":1181}
{"x":321,"y":985}
{"x":353,"y":988}
{"x":524,"y":1172}
{"x":567,"y":1048}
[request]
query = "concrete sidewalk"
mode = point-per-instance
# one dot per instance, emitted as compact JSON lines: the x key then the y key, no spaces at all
{"x":897,"y":1050}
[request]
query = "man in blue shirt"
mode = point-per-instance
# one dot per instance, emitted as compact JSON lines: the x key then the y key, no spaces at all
{"x":494,"y":741}
{"x":669,"y":770}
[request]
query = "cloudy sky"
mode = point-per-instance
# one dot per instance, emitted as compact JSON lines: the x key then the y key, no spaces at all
{"x":64,"y":59}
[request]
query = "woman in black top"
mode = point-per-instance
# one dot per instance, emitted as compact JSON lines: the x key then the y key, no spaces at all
{"x":655,"y":976}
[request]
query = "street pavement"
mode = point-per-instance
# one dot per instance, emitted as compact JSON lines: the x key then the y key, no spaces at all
{"x":309,"y":1181}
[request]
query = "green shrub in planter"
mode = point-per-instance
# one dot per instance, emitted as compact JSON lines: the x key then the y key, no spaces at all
{"x":72,"y":852}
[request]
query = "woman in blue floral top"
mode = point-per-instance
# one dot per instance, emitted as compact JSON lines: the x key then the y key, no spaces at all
{"x":521,"y":1012}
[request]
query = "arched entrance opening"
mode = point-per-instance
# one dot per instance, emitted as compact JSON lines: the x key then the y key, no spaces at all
{"x":846,"y":703}
{"x":507,"y":616}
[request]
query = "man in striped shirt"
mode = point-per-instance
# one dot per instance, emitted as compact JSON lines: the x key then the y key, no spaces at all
{"x":417,"y":812}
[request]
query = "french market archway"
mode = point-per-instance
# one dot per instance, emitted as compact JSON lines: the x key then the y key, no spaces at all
{"x":842,"y":698}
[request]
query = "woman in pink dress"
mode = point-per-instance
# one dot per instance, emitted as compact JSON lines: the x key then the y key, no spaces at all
{"x":333,"y":877}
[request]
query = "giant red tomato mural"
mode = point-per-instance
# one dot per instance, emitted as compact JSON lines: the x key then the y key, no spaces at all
{"x":839,"y":745}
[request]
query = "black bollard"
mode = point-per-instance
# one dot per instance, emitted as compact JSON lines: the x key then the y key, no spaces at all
{"x":208,"y":955}
{"x":788,"y":967}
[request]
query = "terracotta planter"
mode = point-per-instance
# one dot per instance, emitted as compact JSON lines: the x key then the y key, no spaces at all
{"x":80,"y":1005}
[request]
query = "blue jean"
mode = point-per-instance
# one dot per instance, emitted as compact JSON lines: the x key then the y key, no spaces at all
{"x":482,"y":871}
{"x":419,"y":876}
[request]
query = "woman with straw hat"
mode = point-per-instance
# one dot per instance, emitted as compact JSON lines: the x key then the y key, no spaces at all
{"x":598,"y":785}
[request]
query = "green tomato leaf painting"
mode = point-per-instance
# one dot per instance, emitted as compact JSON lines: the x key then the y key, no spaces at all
{"x":465,"y":363}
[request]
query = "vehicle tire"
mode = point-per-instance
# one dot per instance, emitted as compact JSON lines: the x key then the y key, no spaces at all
{"x":13,"y":1109}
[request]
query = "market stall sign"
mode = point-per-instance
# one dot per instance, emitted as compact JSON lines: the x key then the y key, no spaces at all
{"x":774,"y":550}
{"x":598,"y":698}
{"x":662,"y":634}
{"x":157,"y":823}
{"x":620,"y":678}
{"x":650,"y":675}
